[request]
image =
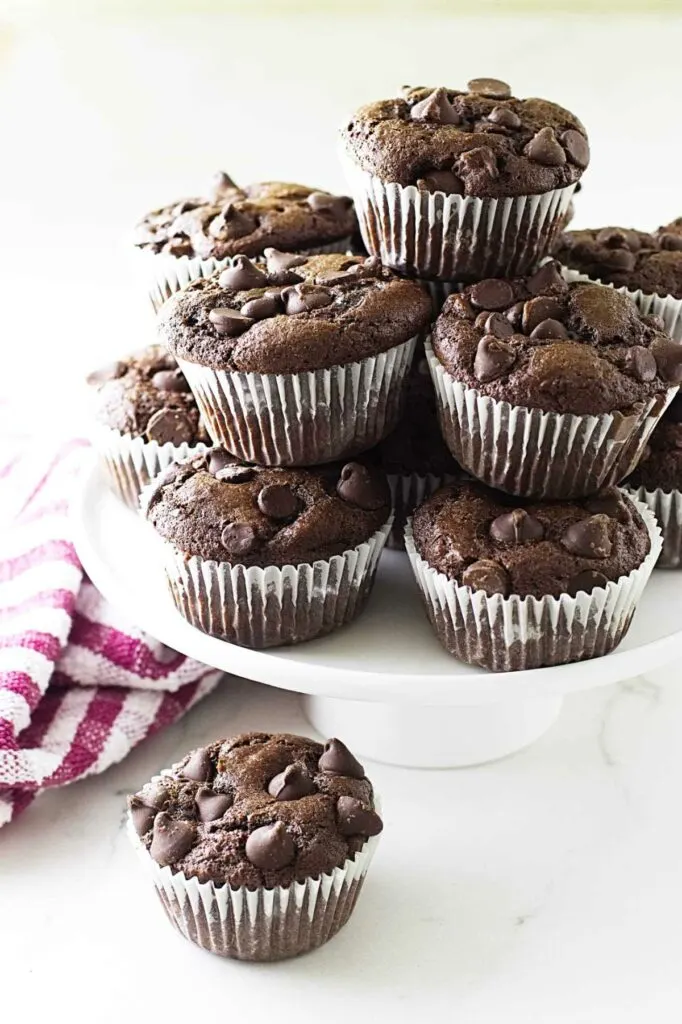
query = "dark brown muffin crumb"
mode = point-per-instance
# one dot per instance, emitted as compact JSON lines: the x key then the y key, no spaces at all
{"x":220,"y":509}
{"x":261,"y":809}
{"x":661,"y":465}
{"x":146,"y":395}
{"x":503,"y":545}
{"x":544,"y":344}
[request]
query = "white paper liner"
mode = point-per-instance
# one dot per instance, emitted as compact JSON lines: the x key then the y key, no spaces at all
{"x":271,"y":607}
{"x":451,"y":237}
{"x":408,"y":491}
{"x":162,"y":274}
{"x":667,"y":508}
{"x":302,"y":419}
{"x":506,"y":634}
{"x":131,"y":463}
{"x":259,"y":924}
{"x":666,"y":306}
{"x":539,"y":454}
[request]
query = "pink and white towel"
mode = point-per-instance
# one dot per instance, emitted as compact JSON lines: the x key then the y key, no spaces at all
{"x":79,"y":685}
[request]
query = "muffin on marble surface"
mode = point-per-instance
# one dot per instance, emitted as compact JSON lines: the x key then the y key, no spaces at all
{"x":145,"y":417}
{"x":264,"y":556}
{"x":646,"y":266}
{"x":549,"y":389}
{"x":193,"y":237}
{"x":460,"y":185}
{"x":511,"y":584}
{"x":657,"y":481}
{"x":258,"y":845}
{"x":297,"y":360}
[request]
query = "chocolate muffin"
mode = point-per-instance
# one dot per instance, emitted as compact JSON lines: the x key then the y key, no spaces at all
{"x":414,"y":456}
{"x":657,"y":481}
{"x":549,"y":389}
{"x":145,"y":416}
{"x":297,"y":360}
{"x":512,"y":584}
{"x":193,"y":237}
{"x":274,"y":831}
{"x":268,"y":556}
{"x":457,"y":186}
{"x":647,"y":266}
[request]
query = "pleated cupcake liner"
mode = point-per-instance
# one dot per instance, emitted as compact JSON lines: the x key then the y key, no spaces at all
{"x":536,"y":454}
{"x":408,"y":491}
{"x":259,"y":924}
{"x":131,"y":463}
{"x":667,"y":508}
{"x":666,"y":306}
{"x":507,"y":634}
{"x":273,"y":607}
{"x":302,"y":419}
{"x":451,"y":237}
{"x":162,"y":274}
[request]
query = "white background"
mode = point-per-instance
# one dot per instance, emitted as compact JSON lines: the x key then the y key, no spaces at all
{"x":545,"y":888}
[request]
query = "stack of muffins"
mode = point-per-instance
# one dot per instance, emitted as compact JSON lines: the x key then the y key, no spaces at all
{"x":489,"y":397}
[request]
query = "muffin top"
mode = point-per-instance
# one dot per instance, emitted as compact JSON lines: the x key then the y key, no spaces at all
{"x":544,"y":344}
{"x":247,"y":220}
{"x":216,"y":507}
{"x":627,"y":258}
{"x":146,"y":395}
{"x":483,"y":142}
{"x":661,"y":465}
{"x":416,"y":445}
{"x":261,"y":809}
{"x":293,"y":313}
{"x":503,"y":545}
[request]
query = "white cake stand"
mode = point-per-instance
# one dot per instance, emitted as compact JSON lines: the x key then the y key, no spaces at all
{"x":384,"y":683}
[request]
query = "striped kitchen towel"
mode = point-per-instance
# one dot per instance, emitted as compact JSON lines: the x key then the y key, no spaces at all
{"x":79,"y":685}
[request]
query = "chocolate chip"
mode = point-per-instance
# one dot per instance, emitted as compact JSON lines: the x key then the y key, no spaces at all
{"x":612,"y":238}
{"x":609,"y":502}
{"x":577,"y":147}
{"x":356,"y":819}
{"x":322,"y":202}
{"x":218,"y":459}
{"x":278,"y":501}
{"x":504,"y":117}
{"x":436,"y":108}
{"x":112,"y":371}
{"x":229,"y":321}
{"x":344,"y":275}
{"x":210,"y":805}
{"x":235,"y":474}
{"x":291,"y":784}
{"x":154,"y":794}
{"x":338,"y":760}
{"x":547,"y":280}
{"x":199,"y":768}
{"x":238,"y":538}
{"x":270,"y":847}
{"x":491,"y":88}
{"x":549,"y":329}
{"x":515,"y":314}
{"x":263,"y":307}
{"x":670,"y":242}
{"x":303,"y":298}
{"x":482,"y":319}
{"x":492,"y":293}
{"x":543,"y":308}
{"x":142,"y":817}
{"x":459,"y":305}
{"x":222,"y":182}
{"x":480,"y":160}
{"x":589,"y":538}
{"x":280,"y":266}
{"x":241,"y":275}
{"x":169,"y":425}
{"x":441,"y":181}
{"x":487,"y":575}
{"x":620,"y":259}
{"x":180,"y":245}
{"x":640,"y":363}
{"x":498,"y":325}
{"x":493,"y":358}
{"x":587,"y":581}
{"x":668,"y":356}
{"x":172,"y":839}
{"x":516,"y":527}
{"x":358,"y":486}
{"x":232,"y":222}
{"x":170,"y":380}
{"x":545,"y":149}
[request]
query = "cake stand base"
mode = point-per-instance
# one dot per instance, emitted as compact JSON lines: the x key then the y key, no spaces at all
{"x":419,"y":736}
